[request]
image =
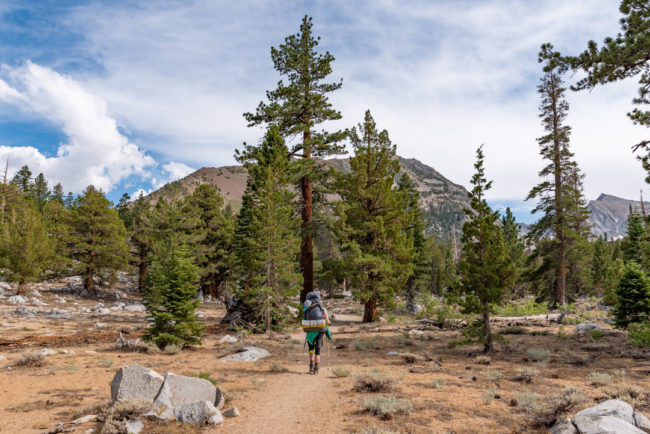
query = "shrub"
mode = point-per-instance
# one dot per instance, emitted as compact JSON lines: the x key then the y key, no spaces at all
{"x":633,"y":395}
{"x":386,"y":408}
{"x":172,"y":349}
{"x":366,"y":345}
{"x":411,"y":358}
{"x":557,"y":405}
{"x":438,"y":383}
{"x":596,"y":334}
{"x":118,"y":412}
{"x":527,"y":400}
{"x":169,"y":296}
{"x":493,"y":375}
{"x":31,"y":360}
{"x":561,"y":333}
{"x":277,"y":368}
{"x":521,"y":308}
{"x":340,"y":372}
{"x":525,"y":375}
{"x":490,"y":395}
{"x":373,"y":381}
{"x":513,"y":330}
{"x":206,"y":376}
{"x":107,"y":363}
{"x":599,"y":379}
{"x":538,"y":354}
{"x":482,"y":360}
{"x":639,"y":334}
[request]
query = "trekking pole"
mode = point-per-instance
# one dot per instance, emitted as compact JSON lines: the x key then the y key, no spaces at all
{"x":328,"y":356}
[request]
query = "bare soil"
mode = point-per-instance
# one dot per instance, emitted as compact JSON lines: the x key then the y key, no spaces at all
{"x":472,"y":396}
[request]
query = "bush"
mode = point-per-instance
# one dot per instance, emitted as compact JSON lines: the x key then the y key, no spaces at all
{"x":493,"y":375}
{"x":169,"y":296}
{"x":206,"y":376}
{"x":340,"y":372}
{"x":538,"y":354}
{"x":596,"y":334}
{"x":30,"y":360}
{"x":118,"y":412}
{"x":525,"y":375}
{"x":521,"y":308}
{"x":632,"y":296}
{"x":633,"y":395}
{"x":387,"y":408}
{"x":639,"y":334}
{"x":513,"y":330}
{"x":277,"y":368}
{"x":373,"y":381}
{"x":367,"y":345}
{"x":172,"y":349}
{"x":599,"y":379}
{"x":490,"y":395}
{"x":557,"y":405}
{"x":482,"y":360}
{"x":438,"y":383}
{"x":527,"y":400}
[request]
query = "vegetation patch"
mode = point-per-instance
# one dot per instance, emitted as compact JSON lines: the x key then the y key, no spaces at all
{"x":30,"y":360}
{"x":277,"y":368}
{"x":387,"y":408}
{"x":599,"y":379}
{"x":538,"y":354}
{"x":639,"y":334}
{"x":557,"y":405}
{"x":340,"y":372}
{"x":373,"y":381}
{"x":525,"y":375}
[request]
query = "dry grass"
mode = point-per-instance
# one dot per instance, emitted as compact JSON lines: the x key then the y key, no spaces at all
{"x":387,"y":408}
{"x":630,"y":393}
{"x":525,"y":375}
{"x":30,"y":360}
{"x":340,"y":372}
{"x":373,"y":381}
{"x":482,"y":360}
{"x":116,"y":414}
{"x":557,"y":405}
{"x":538,"y":354}
{"x":277,"y":368}
{"x":599,"y":379}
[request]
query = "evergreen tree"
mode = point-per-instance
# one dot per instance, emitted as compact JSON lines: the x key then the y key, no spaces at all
{"x":449,"y":276}
{"x":633,"y":244}
{"x":557,"y":196}
{"x":125,"y":212}
{"x":514,"y":242}
{"x":171,"y":227}
{"x":619,"y":58}
{"x":633,"y":297}
{"x":170,"y":298}
{"x":23,"y":179}
{"x":420,"y":278}
{"x":98,"y":237}
{"x":378,"y":253}
{"x":579,"y":249}
{"x":212,"y":250}
{"x":487,"y":272}
{"x":141,"y":238}
{"x":58,"y":221}
{"x":297,"y":107}
{"x":601,"y":263}
{"x":437,"y":264}
{"x":25,"y":248}
{"x":56,"y":194}
{"x":69,"y":201}
{"x":40,"y":192}
{"x":267,"y":236}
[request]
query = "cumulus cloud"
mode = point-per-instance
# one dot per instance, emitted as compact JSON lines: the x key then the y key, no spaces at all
{"x":96,"y":152}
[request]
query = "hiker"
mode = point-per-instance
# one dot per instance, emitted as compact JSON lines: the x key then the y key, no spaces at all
{"x":314,"y":323}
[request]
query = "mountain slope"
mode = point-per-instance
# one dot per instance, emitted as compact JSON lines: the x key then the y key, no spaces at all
{"x":609,"y":215}
{"x":441,"y":200}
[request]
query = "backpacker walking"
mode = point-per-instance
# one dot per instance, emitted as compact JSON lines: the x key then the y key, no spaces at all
{"x":315,"y":321}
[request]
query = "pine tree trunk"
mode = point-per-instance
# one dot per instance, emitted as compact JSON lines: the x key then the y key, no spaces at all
{"x":306,"y":247}
{"x":142,"y":268}
{"x":560,"y":275}
{"x":489,"y":347}
{"x":370,"y":310}
{"x":89,"y":282}
{"x":21,"y":287}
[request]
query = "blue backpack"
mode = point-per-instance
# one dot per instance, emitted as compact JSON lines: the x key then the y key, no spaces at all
{"x":313,"y":319}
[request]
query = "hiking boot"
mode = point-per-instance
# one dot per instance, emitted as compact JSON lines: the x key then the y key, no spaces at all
{"x":311,"y":367}
{"x":316,"y":369}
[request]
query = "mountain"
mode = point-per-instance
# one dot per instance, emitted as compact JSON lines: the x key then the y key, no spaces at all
{"x":609,"y":215}
{"x":441,"y":200}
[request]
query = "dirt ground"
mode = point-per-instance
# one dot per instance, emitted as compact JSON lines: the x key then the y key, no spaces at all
{"x":450,"y":389}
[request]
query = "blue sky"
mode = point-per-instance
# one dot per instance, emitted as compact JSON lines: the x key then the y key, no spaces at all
{"x":129,"y":95}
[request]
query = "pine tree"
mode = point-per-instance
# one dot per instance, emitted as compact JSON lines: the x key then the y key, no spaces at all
{"x":58,"y":221}
{"x":212,"y":251}
{"x":23,"y":179}
{"x":601,"y":263}
{"x":378,"y":253}
{"x":267,"y":235}
{"x":98,"y":237}
{"x":633,"y":296}
{"x":579,"y":249}
{"x":513,"y":240}
{"x":125,"y":212}
{"x":420,"y":278}
{"x":56,"y":194}
{"x":633,"y":244}
{"x":40,"y":192}
{"x":141,"y":238}
{"x":26,"y":250}
{"x":170,"y":298}
{"x":557,"y":195}
{"x":487,"y":272}
{"x":297,"y":107}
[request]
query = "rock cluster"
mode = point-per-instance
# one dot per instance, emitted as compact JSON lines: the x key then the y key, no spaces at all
{"x":613,"y":416}
{"x":186,"y":399}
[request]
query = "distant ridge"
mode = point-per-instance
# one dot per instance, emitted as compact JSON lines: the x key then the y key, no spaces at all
{"x":609,"y":215}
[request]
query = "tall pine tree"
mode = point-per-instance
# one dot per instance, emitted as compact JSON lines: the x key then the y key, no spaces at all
{"x":378,"y":253}
{"x":487,"y":272}
{"x":297,"y":107}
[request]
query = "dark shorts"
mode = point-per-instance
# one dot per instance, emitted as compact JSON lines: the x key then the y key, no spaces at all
{"x":317,"y":345}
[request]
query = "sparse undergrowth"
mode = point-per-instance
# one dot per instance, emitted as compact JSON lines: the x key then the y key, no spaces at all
{"x":538,"y":354}
{"x":599,"y":379}
{"x":277,"y":368}
{"x":340,"y":372}
{"x":116,"y":414}
{"x":373,"y":381}
{"x":556,"y":405}
{"x":387,"y":408}
{"x":525,"y":375}
{"x":30,"y":360}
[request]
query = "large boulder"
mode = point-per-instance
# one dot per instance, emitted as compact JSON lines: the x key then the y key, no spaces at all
{"x":613,"y":416}
{"x":27,"y":313}
{"x":137,"y":307}
{"x":248,"y":354}
{"x":201,"y":412}
{"x":185,"y":390}
{"x":17,"y":299}
{"x":564,"y":426}
{"x":135,"y":381}
{"x":642,"y":422}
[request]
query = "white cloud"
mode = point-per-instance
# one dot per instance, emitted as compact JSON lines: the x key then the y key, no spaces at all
{"x":177,"y":170}
{"x":96,"y":152}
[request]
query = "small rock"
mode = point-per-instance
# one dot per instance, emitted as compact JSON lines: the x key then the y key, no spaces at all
{"x":58,"y":314}
{"x":415,"y":333}
{"x":393,"y":353}
{"x":414,"y":308}
{"x":90,"y":352}
{"x":23,"y":311}
{"x":99,"y":325}
{"x":2,"y":358}
{"x":564,"y":426}
{"x":198,"y":412}
{"x":248,"y":354}
{"x":59,"y":299}
{"x":66,"y":352}
{"x":85,"y":419}
{"x":34,"y":293}
{"x":642,"y":422}
{"x":5,"y":286}
{"x":45,"y":352}
{"x":103,"y":311}
{"x":135,"y":307}
{"x":36,"y":302}
{"x":135,"y":381}
{"x":134,"y":426}
{"x":116,"y":308}
{"x":587,"y":327}
{"x":16,"y":299}
{"x":233,"y":412}
{"x":228,"y":339}
{"x":4,"y":324}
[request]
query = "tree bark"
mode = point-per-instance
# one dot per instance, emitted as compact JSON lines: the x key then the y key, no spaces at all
{"x":142,"y":268}
{"x":306,"y":247}
{"x":560,"y":274}
{"x":489,"y":346}
{"x":89,"y":282}
{"x":21,"y":287}
{"x":370,"y":310}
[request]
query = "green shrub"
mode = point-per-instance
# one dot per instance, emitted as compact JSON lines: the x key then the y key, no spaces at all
{"x":340,"y":372}
{"x":438,"y":383}
{"x":387,"y":408}
{"x":525,"y":375}
{"x":596,"y":334}
{"x":277,"y":368}
{"x":538,"y":354}
{"x":513,"y":330}
{"x":366,"y":345}
{"x":633,"y":296}
{"x":493,"y":375}
{"x":373,"y":381}
{"x":521,"y":308}
{"x":639,"y":334}
{"x":599,"y":379}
